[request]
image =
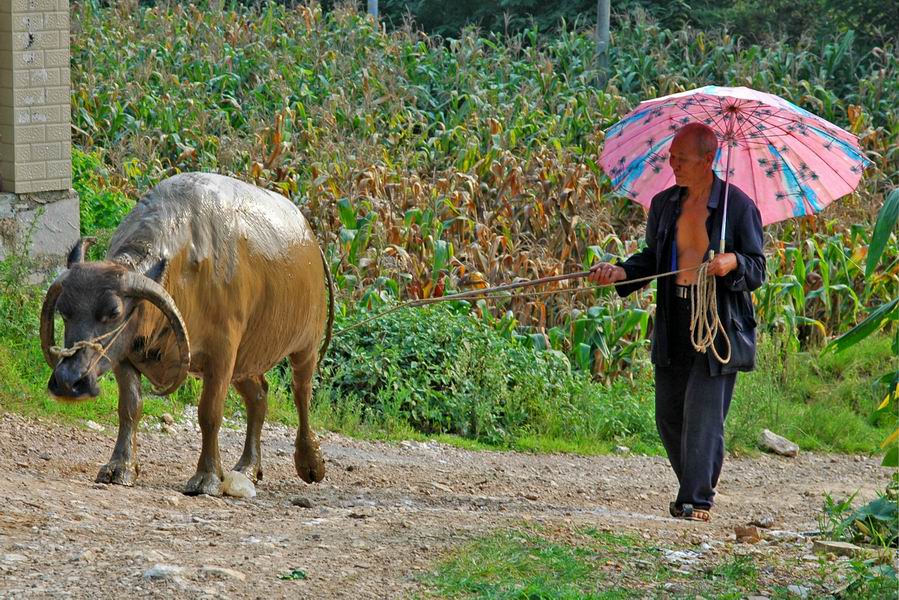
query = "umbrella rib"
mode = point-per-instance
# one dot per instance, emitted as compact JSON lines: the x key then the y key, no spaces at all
{"x":747,"y":118}
{"x":788,"y":168}
{"x":705,"y":109}
{"x":714,"y":125}
{"x":823,"y":160}
{"x":767,"y":121}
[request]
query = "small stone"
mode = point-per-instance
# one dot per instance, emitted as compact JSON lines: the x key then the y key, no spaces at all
{"x":622,"y":449}
{"x":160,"y":571}
{"x":167,"y":419}
{"x":442,"y":487}
{"x":95,"y":426}
{"x":765,"y":522}
{"x":223,"y":573}
{"x":836,"y":548}
{"x":758,"y":598}
{"x":14,"y":558}
{"x":532,"y":496}
{"x":748,"y":534}
{"x":362,"y":513}
{"x":44,"y":456}
{"x":172,"y":500}
{"x":809,"y":558}
{"x":301,"y":501}
{"x":237,"y":484}
{"x":798,"y":590}
{"x":777,"y":444}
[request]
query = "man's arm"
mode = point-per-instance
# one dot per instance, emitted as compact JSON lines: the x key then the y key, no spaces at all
{"x":643,"y":263}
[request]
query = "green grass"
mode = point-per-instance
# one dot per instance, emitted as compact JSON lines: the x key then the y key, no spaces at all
{"x":821,"y":402}
{"x":523,"y":563}
{"x":548,"y":562}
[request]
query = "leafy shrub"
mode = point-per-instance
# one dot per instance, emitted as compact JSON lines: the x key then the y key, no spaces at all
{"x":445,"y":372}
{"x":102,"y":208}
{"x":442,"y":370}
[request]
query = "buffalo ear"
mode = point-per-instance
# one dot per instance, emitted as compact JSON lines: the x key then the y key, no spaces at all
{"x":79,"y":250}
{"x":158,"y":271}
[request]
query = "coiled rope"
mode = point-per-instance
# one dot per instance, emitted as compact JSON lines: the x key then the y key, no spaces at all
{"x":705,"y":324}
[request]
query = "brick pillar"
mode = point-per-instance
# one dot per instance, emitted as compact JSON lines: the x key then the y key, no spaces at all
{"x":37,"y":205}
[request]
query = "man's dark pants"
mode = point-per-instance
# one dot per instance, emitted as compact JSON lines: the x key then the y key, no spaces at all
{"x":691,"y":407}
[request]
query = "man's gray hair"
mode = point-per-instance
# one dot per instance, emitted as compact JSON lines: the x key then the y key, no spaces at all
{"x":706,"y":140}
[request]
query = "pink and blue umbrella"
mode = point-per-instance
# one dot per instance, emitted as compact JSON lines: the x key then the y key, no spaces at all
{"x":790,"y":161}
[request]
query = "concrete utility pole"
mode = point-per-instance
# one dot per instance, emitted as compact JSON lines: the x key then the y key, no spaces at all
{"x":602,"y":41}
{"x":36,"y":199}
{"x":373,"y":8}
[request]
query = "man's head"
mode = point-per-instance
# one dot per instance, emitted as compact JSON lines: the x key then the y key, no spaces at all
{"x":692,"y":154}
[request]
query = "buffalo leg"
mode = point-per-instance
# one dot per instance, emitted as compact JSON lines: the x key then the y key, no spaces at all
{"x":208,"y":478}
{"x":254,"y":392}
{"x":122,"y":468}
{"x":307,"y":457}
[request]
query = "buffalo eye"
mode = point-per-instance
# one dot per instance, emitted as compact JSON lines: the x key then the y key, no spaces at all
{"x":109,"y":309}
{"x":111,"y":316}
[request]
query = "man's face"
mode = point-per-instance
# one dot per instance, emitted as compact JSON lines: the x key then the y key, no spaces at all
{"x":690,"y":166}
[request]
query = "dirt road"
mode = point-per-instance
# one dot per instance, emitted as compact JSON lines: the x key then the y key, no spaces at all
{"x":383,"y":515}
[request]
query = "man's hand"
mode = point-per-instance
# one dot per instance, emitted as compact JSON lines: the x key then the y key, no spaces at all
{"x":723,"y":264}
{"x":605,"y":273}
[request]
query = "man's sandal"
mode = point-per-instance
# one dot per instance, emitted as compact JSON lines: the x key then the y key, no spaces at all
{"x":686,"y":511}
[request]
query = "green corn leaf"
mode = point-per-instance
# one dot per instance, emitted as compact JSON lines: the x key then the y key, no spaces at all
{"x":874,"y":321}
{"x":443,"y":252}
{"x":538,"y":341}
{"x":583,"y":353}
{"x":346,"y":213}
{"x":886,"y":225}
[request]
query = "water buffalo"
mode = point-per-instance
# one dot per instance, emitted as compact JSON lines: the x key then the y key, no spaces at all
{"x":210,"y":276}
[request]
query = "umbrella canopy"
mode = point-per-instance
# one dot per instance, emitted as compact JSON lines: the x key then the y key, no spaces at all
{"x":791,"y":162}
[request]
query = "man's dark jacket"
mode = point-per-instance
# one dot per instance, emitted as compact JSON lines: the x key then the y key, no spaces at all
{"x":743,"y":237}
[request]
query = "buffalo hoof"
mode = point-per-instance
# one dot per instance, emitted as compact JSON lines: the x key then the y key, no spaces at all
{"x":252,"y":471}
{"x":118,"y":472}
{"x":308,"y":461}
{"x":204,"y":483}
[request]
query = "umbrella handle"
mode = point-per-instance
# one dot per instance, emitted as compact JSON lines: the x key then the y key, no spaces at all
{"x":726,"y":191}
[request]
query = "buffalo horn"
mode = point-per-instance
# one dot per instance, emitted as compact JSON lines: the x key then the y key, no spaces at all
{"x":139,"y":286}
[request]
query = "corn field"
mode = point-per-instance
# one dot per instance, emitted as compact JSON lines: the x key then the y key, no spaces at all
{"x":428,"y":165}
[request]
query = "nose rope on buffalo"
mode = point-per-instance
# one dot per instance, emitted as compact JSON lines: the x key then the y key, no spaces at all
{"x":705,"y":324}
{"x":92,"y":344}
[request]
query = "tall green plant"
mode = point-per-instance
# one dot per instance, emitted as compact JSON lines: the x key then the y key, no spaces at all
{"x":879,"y":317}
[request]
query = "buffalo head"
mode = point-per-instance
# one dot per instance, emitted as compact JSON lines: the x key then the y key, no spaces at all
{"x":97,"y":301}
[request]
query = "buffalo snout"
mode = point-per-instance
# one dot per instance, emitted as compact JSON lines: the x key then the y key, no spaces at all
{"x":69,"y":382}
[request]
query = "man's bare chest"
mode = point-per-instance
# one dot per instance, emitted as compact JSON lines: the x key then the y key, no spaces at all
{"x":692,"y":236}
